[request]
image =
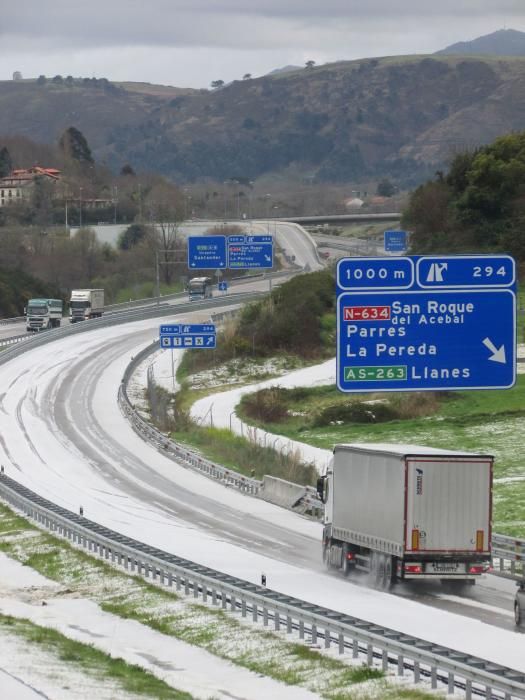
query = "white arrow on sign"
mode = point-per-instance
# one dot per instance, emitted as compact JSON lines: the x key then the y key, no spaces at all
{"x":498,"y":355}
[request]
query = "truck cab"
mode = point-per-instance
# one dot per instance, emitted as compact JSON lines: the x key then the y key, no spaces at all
{"x":85,"y":304}
{"x":42,"y":314}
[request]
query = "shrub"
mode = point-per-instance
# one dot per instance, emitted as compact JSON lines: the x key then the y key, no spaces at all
{"x":266,"y":405}
{"x":354,"y":412}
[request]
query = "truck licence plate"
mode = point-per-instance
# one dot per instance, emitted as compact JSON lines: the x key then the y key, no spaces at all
{"x":446,"y":567}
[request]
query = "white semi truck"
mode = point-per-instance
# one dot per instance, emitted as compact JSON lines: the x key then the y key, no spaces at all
{"x":43,"y":314}
{"x":85,"y":304}
{"x":406,"y":512}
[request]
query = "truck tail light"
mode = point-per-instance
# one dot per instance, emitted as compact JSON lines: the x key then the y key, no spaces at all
{"x":480,"y":536}
{"x":415,"y":539}
{"x":413,"y":569}
{"x":476,"y":569}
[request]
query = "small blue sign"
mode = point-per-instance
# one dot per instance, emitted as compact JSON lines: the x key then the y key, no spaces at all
{"x":396,"y":241}
{"x":485,"y":271}
{"x":223,"y":286}
{"x":247,"y":252}
{"x":188,"y":336}
{"x":461,"y":337}
{"x":375,"y":273}
{"x":206,"y":252}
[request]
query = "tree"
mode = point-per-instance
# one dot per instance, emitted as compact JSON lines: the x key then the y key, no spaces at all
{"x":127,"y":170}
{"x":6,"y":164}
{"x":310,"y":64}
{"x":58,"y":80}
{"x":41,"y":80}
{"x":165,"y":206}
{"x":479,"y":205}
{"x":69,"y":81}
{"x":74,"y":146}
{"x":216,"y":84}
{"x":133,"y":235}
{"x":247,"y":76}
{"x":385,"y":188}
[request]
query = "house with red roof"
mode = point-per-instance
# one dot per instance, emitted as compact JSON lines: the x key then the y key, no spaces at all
{"x":20,"y":183}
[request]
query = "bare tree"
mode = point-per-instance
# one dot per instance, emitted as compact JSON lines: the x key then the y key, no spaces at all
{"x":165,"y":209}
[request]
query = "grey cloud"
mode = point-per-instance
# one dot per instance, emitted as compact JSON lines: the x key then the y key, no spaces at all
{"x":254,"y":23}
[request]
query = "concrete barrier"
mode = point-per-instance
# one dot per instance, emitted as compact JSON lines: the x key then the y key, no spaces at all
{"x":281,"y":492}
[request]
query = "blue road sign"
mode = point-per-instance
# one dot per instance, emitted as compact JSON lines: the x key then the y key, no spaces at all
{"x":188,"y":336}
{"x":375,"y":273}
{"x":416,"y":339}
{"x":484,"y":271}
{"x":223,"y":286}
{"x":396,"y":241}
{"x":206,"y":252}
{"x":245,"y":252}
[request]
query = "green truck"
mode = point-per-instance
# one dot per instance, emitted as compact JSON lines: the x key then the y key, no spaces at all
{"x":43,"y":313}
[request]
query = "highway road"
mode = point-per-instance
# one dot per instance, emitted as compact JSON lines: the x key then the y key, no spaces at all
{"x":62,"y":434}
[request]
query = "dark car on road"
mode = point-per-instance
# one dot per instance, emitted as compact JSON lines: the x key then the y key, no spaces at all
{"x":519,"y":605}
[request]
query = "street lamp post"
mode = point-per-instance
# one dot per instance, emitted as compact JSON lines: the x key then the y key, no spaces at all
{"x":115,"y":200}
{"x":80,"y":209}
{"x":268,"y":196}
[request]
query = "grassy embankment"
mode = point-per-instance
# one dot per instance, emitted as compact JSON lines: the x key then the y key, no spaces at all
{"x":490,"y":422}
{"x":276,"y":656}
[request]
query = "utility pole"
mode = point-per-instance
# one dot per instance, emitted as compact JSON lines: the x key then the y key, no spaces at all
{"x":80,"y":209}
{"x":115,"y":199}
{"x":157,"y":276}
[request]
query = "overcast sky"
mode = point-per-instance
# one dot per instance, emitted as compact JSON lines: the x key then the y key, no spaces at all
{"x":189,"y":43}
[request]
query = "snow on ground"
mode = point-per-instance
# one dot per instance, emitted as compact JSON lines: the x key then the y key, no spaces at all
{"x":51,"y":466}
{"x":176,"y":663}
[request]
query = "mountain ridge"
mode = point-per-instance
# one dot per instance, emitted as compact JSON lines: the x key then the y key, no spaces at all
{"x":401,"y":117}
{"x":503,"y":42}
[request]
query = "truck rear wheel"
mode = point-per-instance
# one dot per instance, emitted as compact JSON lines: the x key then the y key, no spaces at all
{"x":375,"y":569}
{"x":387,"y":573}
{"x":346,"y":566}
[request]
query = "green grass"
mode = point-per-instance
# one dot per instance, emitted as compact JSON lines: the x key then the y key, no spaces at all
{"x":145,"y":290}
{"x":210,"y":628}
{"x":91,"y":661}
{"x":244,"y":456}
{"x":488,"y":422}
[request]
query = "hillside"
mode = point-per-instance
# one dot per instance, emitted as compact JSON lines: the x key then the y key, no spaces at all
{"x":504,"y":42}
{"x":402,"y":117}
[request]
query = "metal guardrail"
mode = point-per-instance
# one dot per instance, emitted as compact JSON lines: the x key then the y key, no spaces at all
{"x":369,"y":642}
{"x":366,"y":640}
{"x":13,"y":319}
{"x":114,"y":319}
{"x":308,"y":504}
{"x":508,"y":557}
{"x":15,"y":339}
{"x":172,"y":449}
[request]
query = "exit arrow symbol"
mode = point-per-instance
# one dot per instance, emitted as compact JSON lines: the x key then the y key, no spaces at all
{"x":498,"y":355}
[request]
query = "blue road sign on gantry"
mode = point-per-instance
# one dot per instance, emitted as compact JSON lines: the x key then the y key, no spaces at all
{"x":206,"y":252}
{"x":184,"y":336}
{"x":395,"y":241}
{"x":437,"y":323}
{"x":249,"y":252}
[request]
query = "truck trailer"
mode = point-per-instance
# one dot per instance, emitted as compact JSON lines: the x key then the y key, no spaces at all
{"x":406,"y":512}
{"x":43,"y":314}
{"x":85,"y":304}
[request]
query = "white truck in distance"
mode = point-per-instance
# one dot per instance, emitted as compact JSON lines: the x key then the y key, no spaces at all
{"x":85,"y":304}
{"x":43,"y":313}
{"x":406,"y":512}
